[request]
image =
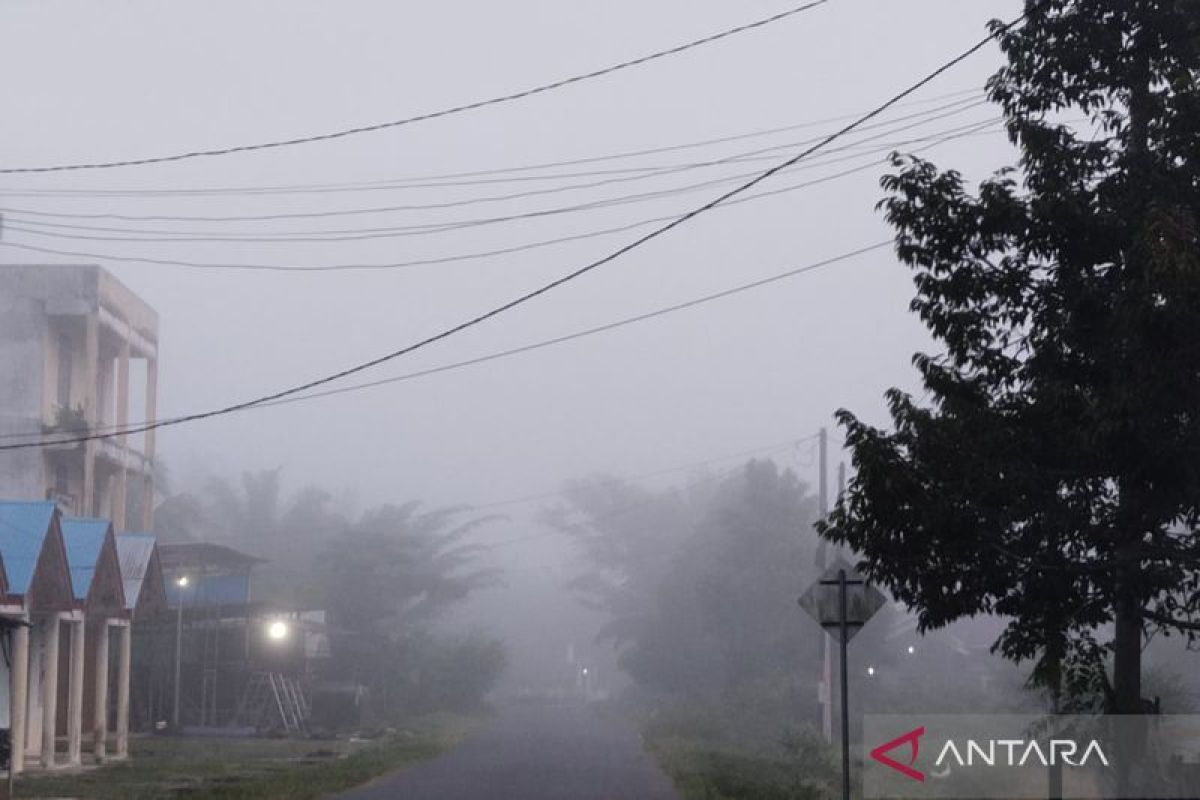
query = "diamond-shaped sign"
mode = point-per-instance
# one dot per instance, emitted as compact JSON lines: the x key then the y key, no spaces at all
{"x":822,"y":600}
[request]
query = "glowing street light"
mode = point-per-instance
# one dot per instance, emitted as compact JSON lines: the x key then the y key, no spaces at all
{"x":182,"y":581}
{"x":277,"y":631}
{"x":911,"y":649}
{"x":871,"y":671}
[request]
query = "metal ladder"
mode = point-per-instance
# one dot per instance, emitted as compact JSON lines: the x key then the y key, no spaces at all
{"x":273,"y":697}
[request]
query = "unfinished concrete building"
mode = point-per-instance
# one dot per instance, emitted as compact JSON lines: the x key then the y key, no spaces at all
{"x":79,"y":355}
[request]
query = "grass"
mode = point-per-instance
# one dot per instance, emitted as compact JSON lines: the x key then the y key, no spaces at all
{"x":702,"y":772}
{"x":251,"y":769}
{"x":738,"y":751}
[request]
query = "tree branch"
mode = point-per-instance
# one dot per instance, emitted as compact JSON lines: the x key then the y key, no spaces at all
{"x":1169,"y":621}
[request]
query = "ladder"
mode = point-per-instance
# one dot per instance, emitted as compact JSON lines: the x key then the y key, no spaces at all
{"x":272,"y":698}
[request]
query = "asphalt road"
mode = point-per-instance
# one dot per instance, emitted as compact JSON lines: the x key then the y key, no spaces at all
{"x":542,"y":752}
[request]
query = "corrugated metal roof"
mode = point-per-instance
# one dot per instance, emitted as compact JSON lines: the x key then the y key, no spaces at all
{"x":190,"y":555}
{"x":23,"y":529}
{"x":84,"y":539}
{"x":135,"y":551}
{"x":210,"y":590}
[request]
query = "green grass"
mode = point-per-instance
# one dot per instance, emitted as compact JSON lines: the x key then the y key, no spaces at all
{"x":702,"y":772}
{"x":251,"y":769}
{"x":739,"y":749}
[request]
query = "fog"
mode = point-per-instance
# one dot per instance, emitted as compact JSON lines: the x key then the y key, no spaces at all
{"x":672,"y":398}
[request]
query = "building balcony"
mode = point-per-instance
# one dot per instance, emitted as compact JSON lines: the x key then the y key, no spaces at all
{"x":122,"y":456}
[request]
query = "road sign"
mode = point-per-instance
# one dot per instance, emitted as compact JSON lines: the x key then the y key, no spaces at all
{"x":842,"y":601}
{"x":822,"y":600}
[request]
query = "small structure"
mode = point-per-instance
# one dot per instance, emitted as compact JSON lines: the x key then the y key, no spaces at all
{"x":63,"y":596}
{"x":146,"y":608}
{"x":244,"y":663}
{"x":100,"y":602}
{"x":38,"y":598}
{"x":141,"y":571}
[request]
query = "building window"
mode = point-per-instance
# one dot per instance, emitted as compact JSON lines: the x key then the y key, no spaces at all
{"x":62,"y":486}
{"x":64,"y":371}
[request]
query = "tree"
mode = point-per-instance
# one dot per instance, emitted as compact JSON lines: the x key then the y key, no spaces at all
{"x":399,"y":567}
{"x":1054,"y":475}
{"x":700,"y":585}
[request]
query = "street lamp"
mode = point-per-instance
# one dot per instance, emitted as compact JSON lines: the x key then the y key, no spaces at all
{"x":277,"y":631}
{"x":182,"y":582}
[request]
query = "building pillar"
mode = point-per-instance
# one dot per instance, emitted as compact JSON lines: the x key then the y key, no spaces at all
{"x":149,"y":444}
{"x":121,"y":492}
{"x":100,"y":728}
{"x":18,"y":700}
{"x":91,"y":406}
{"x":123,"y":670}
{"x":75,"y":701}
{"x":49,"y":690}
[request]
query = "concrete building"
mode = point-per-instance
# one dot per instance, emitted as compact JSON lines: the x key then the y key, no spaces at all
{"x":79,"y":352}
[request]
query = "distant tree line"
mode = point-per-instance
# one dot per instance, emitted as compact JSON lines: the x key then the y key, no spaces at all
{"x":384,"y":577}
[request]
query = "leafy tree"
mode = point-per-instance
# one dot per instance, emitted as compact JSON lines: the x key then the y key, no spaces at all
{"x":700,"y":586}
{"x":399,"y":567}
{"x":1054,"y":475}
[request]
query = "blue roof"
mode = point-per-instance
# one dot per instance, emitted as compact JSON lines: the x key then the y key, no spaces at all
{"x":23,"y":529}
{"x":134,"y":550}
{"x":212,"y":590}
{"x":84,"y":539}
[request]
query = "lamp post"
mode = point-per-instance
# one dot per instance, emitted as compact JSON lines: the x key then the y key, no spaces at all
{"x":182,"y":582}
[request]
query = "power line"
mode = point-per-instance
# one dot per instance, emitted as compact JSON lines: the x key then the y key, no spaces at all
{"x":640,"y":174}
{"x":611,"y":513}
{"x":539,"y":345}
{"x":429,"y":115}
{"x":56,"y":230}
{"x":554,"y":284}
{"x":655,"y":474}
{"x":451,"y":180}
{"x":447,"y":259}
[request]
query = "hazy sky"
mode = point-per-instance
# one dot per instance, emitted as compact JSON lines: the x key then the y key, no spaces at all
{"x":96,"y":81}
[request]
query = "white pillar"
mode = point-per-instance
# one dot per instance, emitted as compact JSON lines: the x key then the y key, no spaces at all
{"x":148,"y":444}
{"x":50,"y":691}
{"x":121,"y":490}
{"x":100,"y":729}
{"x":75,"y":703}
{"x":123,"y":670}
{"x":18,"y":701}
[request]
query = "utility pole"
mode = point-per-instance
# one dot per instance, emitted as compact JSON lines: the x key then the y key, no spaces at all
{"x":181,"y":582}
{"x":844,"y":639}
{"x":826,"y":693}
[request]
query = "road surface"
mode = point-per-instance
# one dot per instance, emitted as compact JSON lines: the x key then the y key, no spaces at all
{"x":542,"y":752}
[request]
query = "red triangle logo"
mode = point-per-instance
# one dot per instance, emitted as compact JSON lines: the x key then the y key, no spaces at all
{"x":913,"y":740}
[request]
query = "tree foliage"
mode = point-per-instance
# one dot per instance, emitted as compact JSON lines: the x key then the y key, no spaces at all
{"x":384,"y":577}
{"x":700,"y":586}
{"x":1054,"y":474}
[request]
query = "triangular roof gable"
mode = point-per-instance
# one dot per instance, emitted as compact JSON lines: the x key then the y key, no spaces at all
{"x":3,"y":578}
{"x":141,"y":569}
{"x":94,"y":564}
{"x":49,"y":587}
{"x":23,"y":530}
